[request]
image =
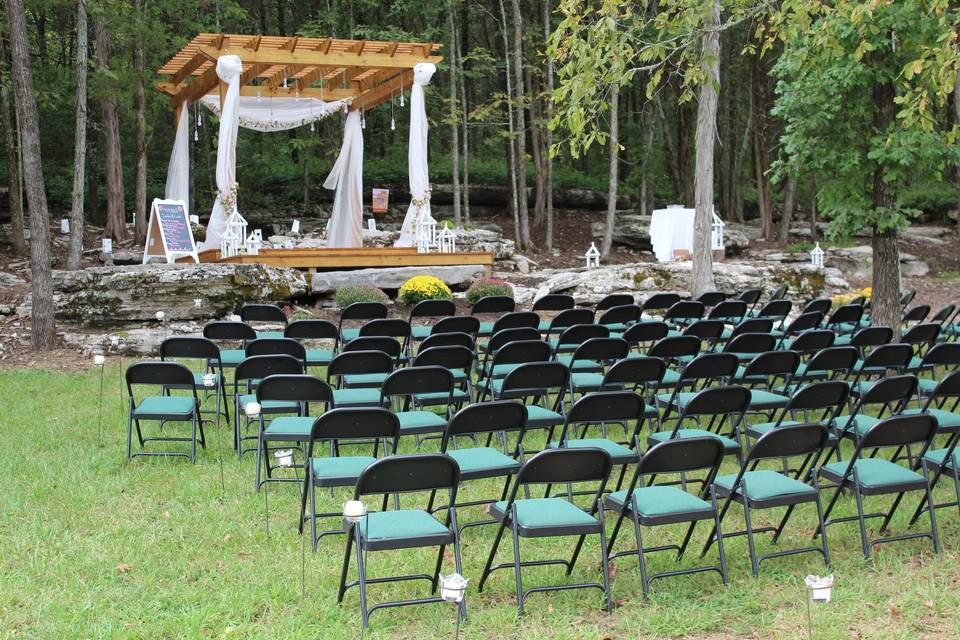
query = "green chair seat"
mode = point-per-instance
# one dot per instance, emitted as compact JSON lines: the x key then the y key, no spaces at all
{"x":414,"y":422}
{"x":729,"y":444}
{"x":296,"y":427}
{"x":364,"y":379}
{"x":198,"y":381}
{"x":483,"y":462}
{"x":544,"y":326}
{"x":486,"y":328}
{"x":402,"y":529}
{"x":620,"y":453}
{"x":319,"y":357}
{"x":861,"y":424}
{"x":356,"y":397}
{"x":339,"y":471}
{"x":586,"y":381}
{"x":660,"y":502}
{"x":926,"y":386}
{"x":543,"y":517}
{"x":812,"y":373}
{"x":936,"y":456}
{"x":348,"y":334}
{"x":579,"y":365}
{"x":172,"y":406}
{"x":441,"y":397}
{"x":420,"y":331}
{"x":538,"y":417}
{"x":760,"y":399}
{"x":270,"y":406}
{"x":946,"y":420}
{"x":760,"y":486}
{"x":679,"y":401}
{"x":875,"y":473}
{"x":270,"y":334}
{"x":760,"y":428}
{"x":232,"y":357}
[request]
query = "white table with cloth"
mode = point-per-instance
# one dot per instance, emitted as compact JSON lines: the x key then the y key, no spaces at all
{"x":671,"y":229}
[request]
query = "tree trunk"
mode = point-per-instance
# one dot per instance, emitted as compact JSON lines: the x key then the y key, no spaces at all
{"x":79,"y":142}
{"x":116,"y":219}
{"x":42,"y":334}
{"x":789,"y":201}
{"x":548,"y":143}
{"x":512,"y":155}
{"x":536,"y":148}
{"x":956,"y":119}
{"x":813,"y":208}
{"x":614,"y":162}
{"x":672,"y":161}
{"x":646,"y":120}
{"x":701,"y":276}
{"x":140,"y":105}
{"x":738,"y":164}
{"x":12,"y":149}
{"x":885,"y":302}
{"x":465,"y":136}
{"x":761,"y":147}
{"x":521,"y":162}
{"x":454,"y":119}
{"x":687,"y":179}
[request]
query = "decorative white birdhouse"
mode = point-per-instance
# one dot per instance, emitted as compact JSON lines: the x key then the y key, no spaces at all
{"x":716,"y":232}
{"x":592,"y":256}
{"x":816,"y":256}
{"x":234,"y":235}
{"x":447,"y":240}
{"x":254,"y":240}
{"x":425,"y":230}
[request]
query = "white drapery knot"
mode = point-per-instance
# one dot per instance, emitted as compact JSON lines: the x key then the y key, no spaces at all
{"x":423,"y":73}
{"x":229,"y":68}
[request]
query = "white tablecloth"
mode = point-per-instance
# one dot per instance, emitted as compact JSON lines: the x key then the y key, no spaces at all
{"x":671,"y":229}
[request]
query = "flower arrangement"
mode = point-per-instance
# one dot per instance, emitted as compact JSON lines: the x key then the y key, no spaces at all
{"x":346,"y":296}
{"x":419,"y":288}
{"x":488,"y":287}
{"x":844,"y":298}
{"x":229,"y":199}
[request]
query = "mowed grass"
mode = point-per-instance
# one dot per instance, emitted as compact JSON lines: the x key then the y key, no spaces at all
{"x":93,"y":547}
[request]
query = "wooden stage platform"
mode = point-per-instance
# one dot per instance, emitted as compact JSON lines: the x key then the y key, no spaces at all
{"x":314,"y":260}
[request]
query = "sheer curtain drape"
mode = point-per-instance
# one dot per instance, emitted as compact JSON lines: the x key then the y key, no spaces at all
{"x":345,"y":228}
{"x":417,"y":154}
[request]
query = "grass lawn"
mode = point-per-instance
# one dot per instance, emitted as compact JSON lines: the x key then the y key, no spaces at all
{"x":94,"y":547}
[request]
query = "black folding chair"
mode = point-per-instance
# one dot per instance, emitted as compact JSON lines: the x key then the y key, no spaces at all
{"x":164,"y":408}
{"x":457,"y":324}
{"x":248,"y":375}
{"x":491,"y":306}
{"x":404,"y":528}
{"x":409,"y":391}
{"x":534,"y":383}
{"x":798,"y":326}
{"x":357,"y":314}
{"x":383,"y":344}
{"x":553,"y":517}
{"x":832,"y":363}
{"x":684,"y":312}
{"x":612,"y":300}
{"x":509,"y":353}
{"x":767,"y":489}
{"x":432,"y":310}
{"x":719,"y":405}
{"x":659,"y":302}
{"x":276,"y":347}
{"x":645,"y":333}
{"x":552,"y":302}
{"x":358,"y":363}
{"x":311,"y":333}
{"x":458,"y":359}
{"x":810,"y":342}
{"x":729,"y":311}
{"x":711,"y":298}
{"x":619,"y":319}
{"x":566,"y":319}
{"x":650,"y":505}
{"x":512,"y":320}
{"x":776,"y":310}
{"x":205,"y":350}
{"x":395,"y":328}
{"x":875,"y":476}
{"x":224,"y":333}
{"x":590,"y":360}
{"x":268,"y":314}
{"x":751,"y":297}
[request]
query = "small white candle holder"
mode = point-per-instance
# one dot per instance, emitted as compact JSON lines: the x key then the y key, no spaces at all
{"x":252,"y":409}
{"x":161,"y":316}
{"x":114,"y":341}
{"x":197,"y":303}
{"x":821,"y":589}
{"x":453,"y":588}
{"x":354,"y":511}
{"x":99,"y":360}
{"x":209,"y":379}
{"x":284,"y":458}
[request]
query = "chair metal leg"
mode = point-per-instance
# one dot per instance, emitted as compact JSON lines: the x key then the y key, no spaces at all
{"x":361,"y":571}
{"x":640,"y":557}
{"x":346,"y":564}
{"x":860,"y":519}
{"x":720,"y":551}
{"x":751,"y":545}
{"x":516,"y":559}
{"x":933,"y":513}
{"x":823,"y":529}
{"x":604,"y":559}
{"x":492,"y":556}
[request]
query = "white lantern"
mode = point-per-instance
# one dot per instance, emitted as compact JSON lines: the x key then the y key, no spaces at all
{"x":821,"y":589}
{"x":234,"y":235}
{"x":592,"y":256}
{"x":425,"y":231}
{"x":816,"y":256}
{"x":716,"y":233}
{"x":254,"y":240}
{"x":453,"y":587}
{"x":447,"y":240}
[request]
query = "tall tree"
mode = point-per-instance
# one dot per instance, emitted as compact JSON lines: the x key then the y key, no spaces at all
{"x":512,"y":162}
{"x":42,"y":333}
{"x":11,"y":134}
{"x":761,"y":144}
{"x":521,"y":161}
{"x":548,"y":143}
{"x":140,"y":107}
{"x":116,"y":219}
{"x":79,"y":142}
{"x":454,"y":119}
{"x":612,"y":180}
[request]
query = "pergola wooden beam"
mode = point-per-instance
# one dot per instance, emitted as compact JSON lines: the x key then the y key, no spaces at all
{"x":330,"y":59}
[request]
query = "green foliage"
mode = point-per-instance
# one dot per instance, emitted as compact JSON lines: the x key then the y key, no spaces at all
{"x":348,"y":295}
{"x":488,"y":287}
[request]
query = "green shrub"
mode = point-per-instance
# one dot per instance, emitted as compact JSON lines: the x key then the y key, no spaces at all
{"x":346,"y":296}
{"x":488,"y":287}
{"x":419,"y":288}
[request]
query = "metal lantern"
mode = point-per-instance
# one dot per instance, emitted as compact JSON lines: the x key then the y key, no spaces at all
{"x":453,"y":587}
{"x":816,"y":256}
{"x":254,"y":240}
{"x":425,"y":230}
{"x":716,"y":233}
{"x":592,"y":256}
{"x":446,"y":240}
{"x":234,"y":235}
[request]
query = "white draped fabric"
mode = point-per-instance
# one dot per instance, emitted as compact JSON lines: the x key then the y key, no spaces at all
{"x":671,"y":229}
{"x":417,"y":154}
{"x":229,"y":69}
{"x":178,"y":170}
{"x":345,"y":228}
{"x":277,"y":114}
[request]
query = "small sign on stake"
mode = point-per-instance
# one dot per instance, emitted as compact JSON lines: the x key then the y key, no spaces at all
{"x":107,"y":245}
{"x":381,"y":200}
{"x":64,"y":226}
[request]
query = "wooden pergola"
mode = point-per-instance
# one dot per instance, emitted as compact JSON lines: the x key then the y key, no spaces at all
{"x":369,"y":71}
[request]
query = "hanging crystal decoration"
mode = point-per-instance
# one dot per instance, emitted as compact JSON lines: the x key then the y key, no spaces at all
{"x":363,"y":120}
{"x":393,"y":122}
{"x":297,"y":92}
{"x":196,"y":135}
{"x":284,"y":83}
{"x":199,"y":116}
{"x":258,"y":92}
{"x":401,"y":88}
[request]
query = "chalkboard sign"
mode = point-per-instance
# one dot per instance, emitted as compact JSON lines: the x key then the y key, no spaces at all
{"x":168,"y":234}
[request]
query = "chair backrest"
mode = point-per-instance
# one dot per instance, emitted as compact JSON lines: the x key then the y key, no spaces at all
{"x":635,"y":371}
{"x":580,"y":333}
{"x":710,"y":330}
{"x":448,"y":340}
{"x":828,"y":394}
{"x":646,"y":331}
{"x":874,"y":336}
{"x":259,"y":367}
{"x":847,"y":314}
{"x":750,"y":296}
{"x":606,"y":406}
{"x":821,"y":305}
{"x":803,"y":322}
{"x":448,"y":356}
{"x":557,"y":466}
{"x":433,"y":309}
{"x":710,"y":366}
{"x":418,"y":379}
{"x":168,"y":374}
{"x":895,"y":390}
{"x":660,"y":301}
{"x":522,"y":351}
{"x":569,"y":318}
{"x":262,"y":313}
{"x":835,"y":359}
{"x":554,"y":302}
{"x":354,"y":423}
{"x":948,"y":387}
{"x":901,"y":430}
{"x":751,"y":343}
{"x":729,"y":310}
{"x":457,"y":324}
{"x":788,"y":441}
{"x":889,"y":356}
{"x":501,"y":338}
{"x":773,"y":364}
{"x":813,"y":341}
{"x":674,"y":347}
{"x":516,"y":320}
{"x":685,"y":310}
{"x":752,"y":325}
{"x":624,"y":314}
{"x":945,"y":354}
{"x":360,"y":362}
{"x":386,"y":344}
{"x":916,"y":314}
{"x":228,"y":330}
{"x":711,"y":298}
{"x":682,"y":456}
{"x":718,"y":401}
{"x":276,"y":346}
{"x":775,"y":308}
{"x":779,"y":292}
{"x":534,"y":378}
{"x":486,"y":417}
{"x":493,"y":304}
{"x":192,"y":347}
{"x":311,"y":330}
{"x":920,"y":334}
{"x":907,"y":297}
{"x":601,"y":350}
{"x":944,"y":314}
{"x":612,"y":300}
{"x":387,"y":327}
{"x":409,"y":473}
{"x":294,"y":388}
{"x":363,"y":311}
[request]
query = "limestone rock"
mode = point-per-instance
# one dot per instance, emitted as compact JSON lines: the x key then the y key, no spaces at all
{"x":10,"y":280}
{"x":393,"y":277}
